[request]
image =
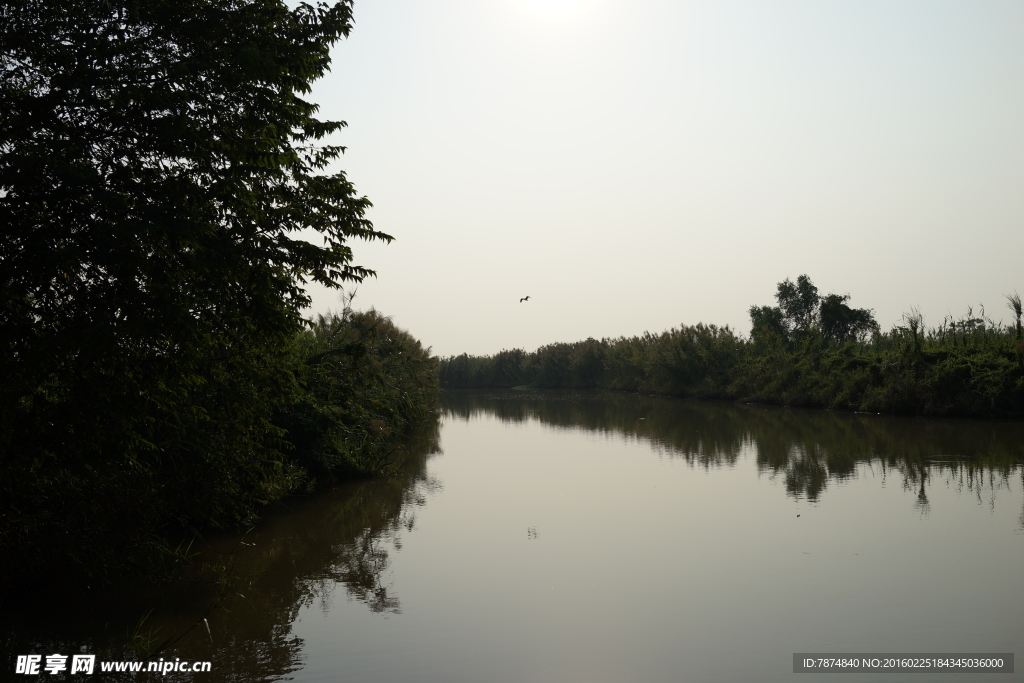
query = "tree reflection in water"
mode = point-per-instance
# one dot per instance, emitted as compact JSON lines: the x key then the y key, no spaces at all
{"x":338,"y":542}
{"x":807,"y":449}
{"x":361,"y":567}
{"x":251,"y":588}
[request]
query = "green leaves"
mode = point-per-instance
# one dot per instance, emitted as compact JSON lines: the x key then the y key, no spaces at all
{"x":802,"y":310}
{"x":364,"y":380}
{"x":799,"y":303}
{"x":840,"y":323}
{"x":156,"y":162}
{"x":140,"y":139}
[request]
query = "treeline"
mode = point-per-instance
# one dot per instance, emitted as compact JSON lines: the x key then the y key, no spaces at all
{"x":809,"y":350}
{"x":95,"y":484}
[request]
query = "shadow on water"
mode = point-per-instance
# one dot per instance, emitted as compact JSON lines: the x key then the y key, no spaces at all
{"x":808,"y":449}
{"x":235,"y":607}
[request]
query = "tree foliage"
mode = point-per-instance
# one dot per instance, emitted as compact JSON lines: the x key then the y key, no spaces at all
{"x":802,"y":310}
{"x":767,"y":323}
{"x":157,"y":163}
{"x":799,"y":303}
{"x":840,"y":323}
{"x":363,"y":381}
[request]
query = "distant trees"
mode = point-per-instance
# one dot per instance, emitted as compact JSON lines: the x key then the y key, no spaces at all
{"x":799,"y":304}
{"x":767,"y":324}
{"x":840,"y":323}
{"x":808,"y":350}
{"x":802,"y":310}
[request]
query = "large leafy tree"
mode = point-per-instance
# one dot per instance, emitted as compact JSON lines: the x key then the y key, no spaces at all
{"x":840,"y":323}
{"x":798,"y":303}
{"x":801,"y":309}
{"x":157,"y":163}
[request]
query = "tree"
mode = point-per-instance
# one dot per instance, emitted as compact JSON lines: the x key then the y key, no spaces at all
{"x":801,"y":309}
{"x":799,"y":303}
{"x":767,"y":323}
{"x":157,"y":162}
{"x":840,"y":323}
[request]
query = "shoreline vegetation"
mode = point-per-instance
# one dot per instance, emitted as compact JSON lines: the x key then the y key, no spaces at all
{"x":335,"y":405}
{"x":809,"y":351}
{"x":167,"y":194}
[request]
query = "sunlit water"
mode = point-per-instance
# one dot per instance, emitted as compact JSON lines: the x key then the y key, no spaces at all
{"x":576,"y":537}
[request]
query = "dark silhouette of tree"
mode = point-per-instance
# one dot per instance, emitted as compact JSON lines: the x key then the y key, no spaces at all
{"x":840,"y":323}
{"x":157,"y":162}
{"x":799,"y":303}
{"x":767,"y":323}
{"x":801,"y":309}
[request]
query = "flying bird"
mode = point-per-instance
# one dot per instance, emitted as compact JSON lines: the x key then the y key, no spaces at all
{"x":525,"y":298}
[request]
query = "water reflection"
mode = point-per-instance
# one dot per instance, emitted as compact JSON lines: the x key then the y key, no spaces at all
{"x":807,"y":449}
{"x":237,"y":605}
{"x":339,"y":545}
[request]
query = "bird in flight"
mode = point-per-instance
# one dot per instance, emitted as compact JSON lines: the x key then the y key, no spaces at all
{"x":525,"y":298}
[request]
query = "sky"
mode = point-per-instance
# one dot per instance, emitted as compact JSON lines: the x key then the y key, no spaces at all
{"x":635,"y":166}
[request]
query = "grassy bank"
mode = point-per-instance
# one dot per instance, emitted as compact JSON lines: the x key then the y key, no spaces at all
{"x":810,"y":350}
{"x":94,"y":484}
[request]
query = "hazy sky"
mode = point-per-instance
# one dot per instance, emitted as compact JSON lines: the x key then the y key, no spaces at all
{"x":637,"y":165}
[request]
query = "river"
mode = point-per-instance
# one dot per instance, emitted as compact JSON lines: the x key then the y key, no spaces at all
{"x":597,"y":537}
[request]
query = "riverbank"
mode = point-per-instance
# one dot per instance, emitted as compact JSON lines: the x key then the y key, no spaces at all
{"x":309,"y":589}
{"x":970,"y":367}
{"x":94,"y":502}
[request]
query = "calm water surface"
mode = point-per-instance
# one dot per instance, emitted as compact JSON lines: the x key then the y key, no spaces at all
{"x":597,"y":537}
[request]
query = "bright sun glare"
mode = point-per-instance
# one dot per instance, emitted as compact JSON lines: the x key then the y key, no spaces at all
{"x":553,"y":7}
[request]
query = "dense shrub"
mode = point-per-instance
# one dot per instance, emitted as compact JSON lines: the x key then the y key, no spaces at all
{"x":363,"y":381}
{"x":101,"y":499}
